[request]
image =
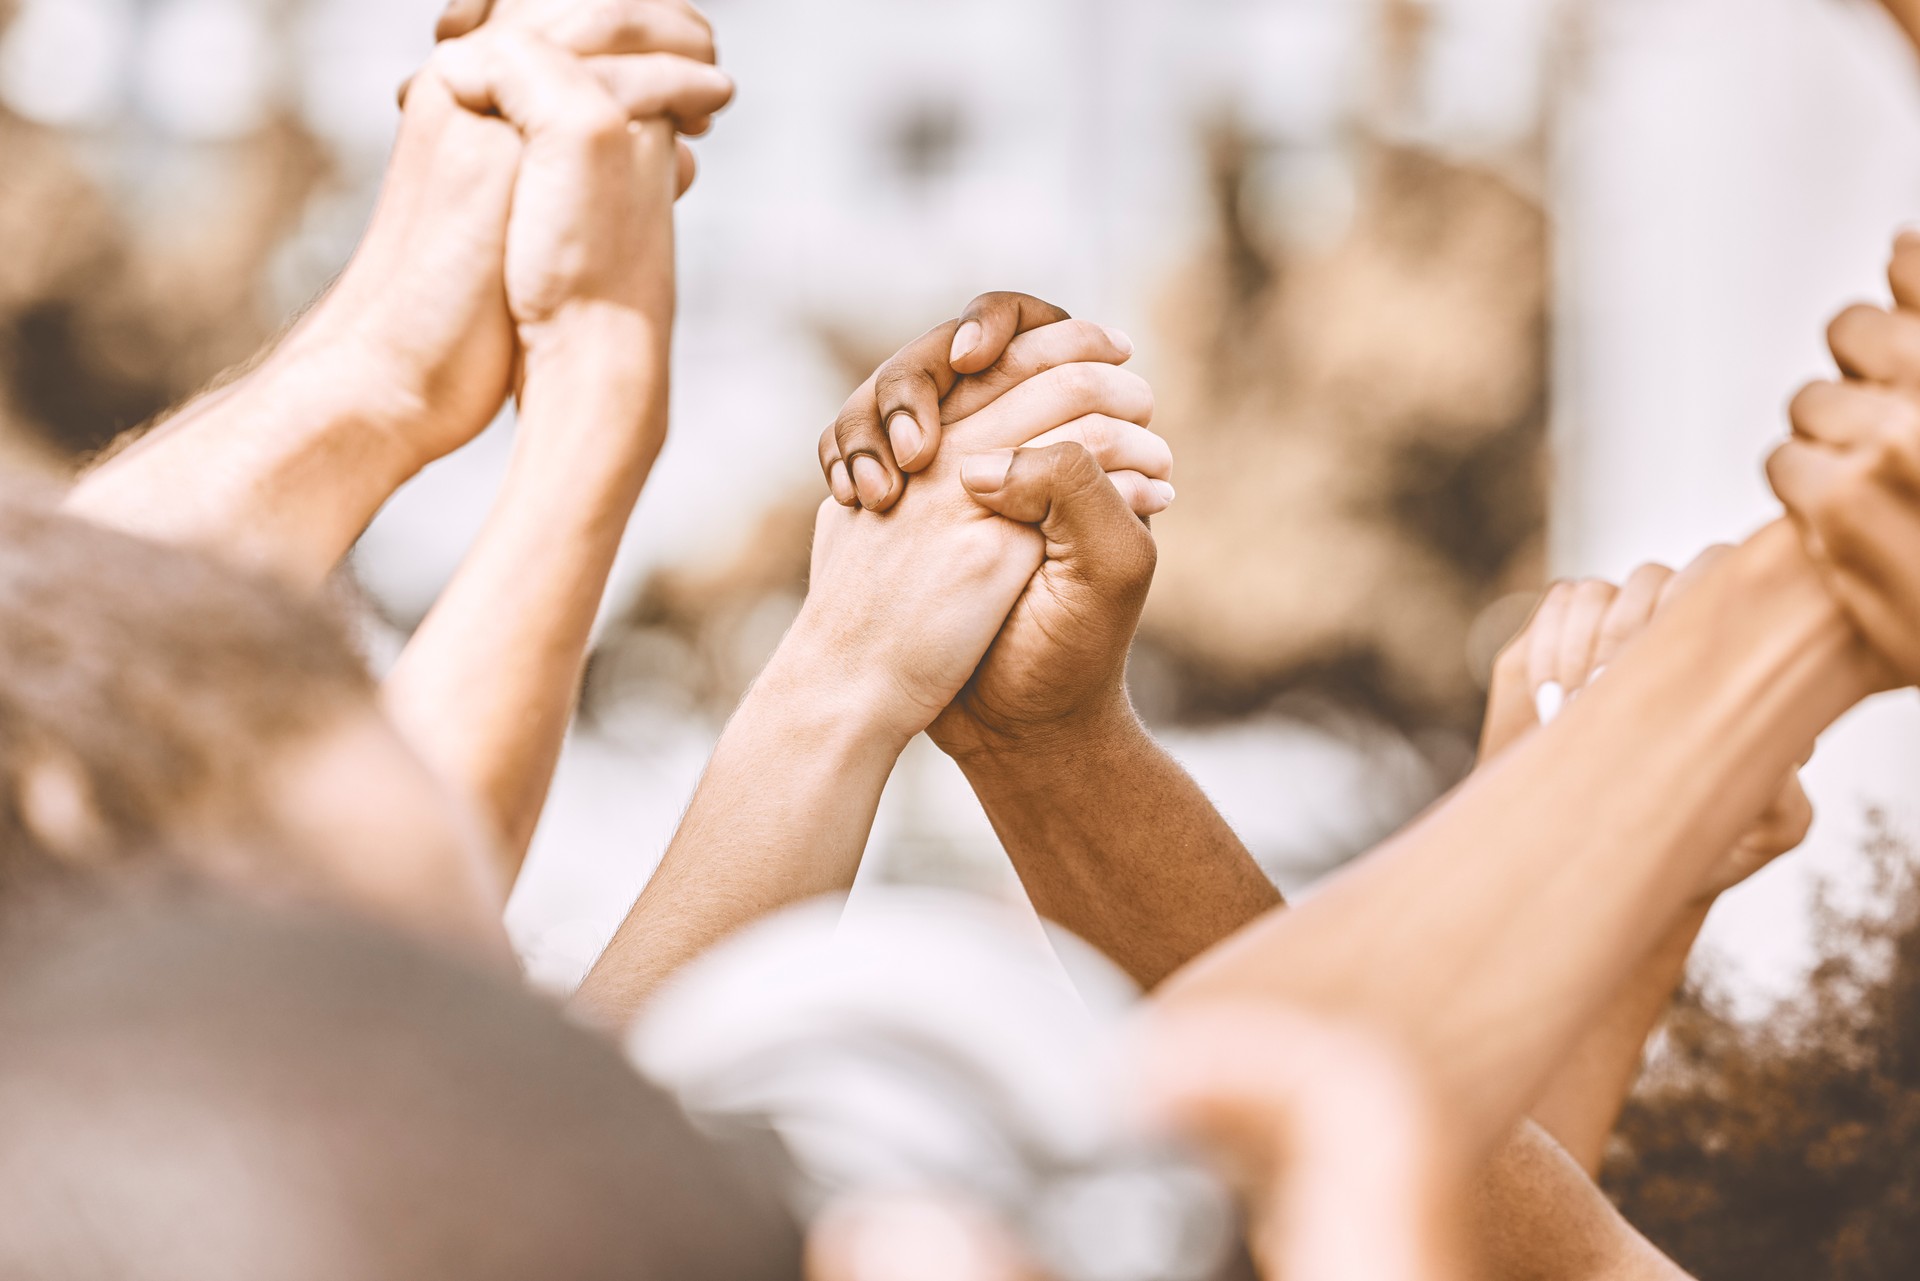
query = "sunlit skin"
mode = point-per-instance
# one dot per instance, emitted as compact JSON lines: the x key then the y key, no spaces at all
{"x":523,"y":243}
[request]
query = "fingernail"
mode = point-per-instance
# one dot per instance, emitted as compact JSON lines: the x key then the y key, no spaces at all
{"x":841,"y":484}
{"x":1598,"y":672}
{"x":1120,"y":340}
{"x":871,"y":481}
{"x":908,"y":440}
{"x":966,"y":341}
{"x":987,"y":473}
{"x":1548,"y":701}
{"x":1166,"y":492}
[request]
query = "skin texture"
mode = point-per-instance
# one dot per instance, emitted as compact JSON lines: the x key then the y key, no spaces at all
{"x":487,"y":686}
{"x":1487,"y":938}
{"x":1578,"y":630}
{"x":1337,"y":1148}
{"x":900,"y":611}
{"x":1850,"y":474}
{"x":547,"y":265}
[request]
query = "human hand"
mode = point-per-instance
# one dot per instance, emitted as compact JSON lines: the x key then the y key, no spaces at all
{"x":952,"y":568}
{"x":1850,"y":475}
{"x":597,"y":28}
{"x":892,"y":426}
{"x":1344,"y":1168}
{"x":590,"y":240}
{"x":1061,"y":658}
{"x":1578,"y":630}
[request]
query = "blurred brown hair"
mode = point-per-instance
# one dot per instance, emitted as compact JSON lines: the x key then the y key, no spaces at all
{"x":145,"y":692}
{"x":196,"y":1086}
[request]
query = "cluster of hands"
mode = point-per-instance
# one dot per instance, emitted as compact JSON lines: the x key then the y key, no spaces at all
{"x":978,"y":575}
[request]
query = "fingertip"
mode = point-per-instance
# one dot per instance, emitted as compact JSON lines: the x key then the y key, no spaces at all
{"x":987,"y":473}
{"x":966,"y":343}
{"x":1121,"y":342}
{"x":841,"y":483}
{"x":908,"y":438}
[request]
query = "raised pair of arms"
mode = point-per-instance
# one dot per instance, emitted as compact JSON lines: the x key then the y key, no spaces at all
{"x":523,"y":242}
{"x":1577,"y":632}
{"x":1109,"y":835}
{"x":1046,"y":446}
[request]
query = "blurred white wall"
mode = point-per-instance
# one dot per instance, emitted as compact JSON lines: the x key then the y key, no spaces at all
{"x":1729,"y":173}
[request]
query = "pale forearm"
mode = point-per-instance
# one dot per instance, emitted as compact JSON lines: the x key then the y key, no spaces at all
{"x":486,"y":689}
{"x":1582,"y":1103}
{"x":404,"y":359}
{"x":1490,"y":935}
{"x":1116,"y":842}
{"x":1536,"y":1216}
{"x":279,"y":473}
{"x":782,"y":815}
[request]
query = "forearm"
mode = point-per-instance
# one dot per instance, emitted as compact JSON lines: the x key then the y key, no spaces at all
{"x":278,"y":473}
{"x":1116,"y":842}
{"x":1536,"y":1216}
{"x":487,"y":687}
{"x":782,"y":815}
{"x":1582,"y":1102}
{"x":1491,"y":934}
{"x":284,"y":468}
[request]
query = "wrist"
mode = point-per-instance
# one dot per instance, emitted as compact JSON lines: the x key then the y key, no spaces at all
{"x":1033,"y":752}
{"x":338,"y":354}
{"x":1811,"y":649}
{"x":846,"y":704}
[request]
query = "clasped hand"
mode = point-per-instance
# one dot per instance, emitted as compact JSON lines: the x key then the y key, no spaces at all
{"x":992,"y":598}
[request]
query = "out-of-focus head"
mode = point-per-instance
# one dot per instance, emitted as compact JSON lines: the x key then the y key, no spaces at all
{"x":152,"y":700}
{"x":194,"y":1087}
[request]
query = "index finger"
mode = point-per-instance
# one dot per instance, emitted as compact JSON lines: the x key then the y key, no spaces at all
{"x":991,"y":321}
{"x":912,"y":385}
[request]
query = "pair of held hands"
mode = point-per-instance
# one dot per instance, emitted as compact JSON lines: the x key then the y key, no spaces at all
{"x":1850,"y":480}
{"x":566,"y":114}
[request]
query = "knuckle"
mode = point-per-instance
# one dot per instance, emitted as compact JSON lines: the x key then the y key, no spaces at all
{"x":1079,"y":383}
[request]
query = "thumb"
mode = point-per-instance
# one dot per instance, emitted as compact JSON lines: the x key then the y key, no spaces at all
{"x":461,"y":17}
{"x":1064,"y":491}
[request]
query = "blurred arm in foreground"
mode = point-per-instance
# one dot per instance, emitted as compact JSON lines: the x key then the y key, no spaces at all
{"x":1490,"y":936}
{"x":899,"y":612}
{"x":1110,"y":836}
{"x":1850,"y":477}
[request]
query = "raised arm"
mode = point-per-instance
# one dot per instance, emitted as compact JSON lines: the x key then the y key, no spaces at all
{"x":1111,"y":838}
{"x":899,"y":611}
{"x":1489,"y":936}
{"x":406,"y":359}
{"x":1578,"y":631}
{"x":487,"y":686}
